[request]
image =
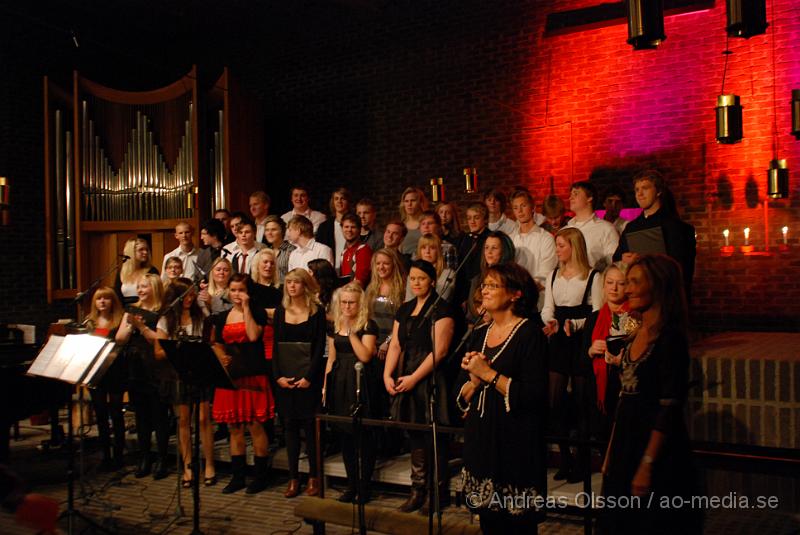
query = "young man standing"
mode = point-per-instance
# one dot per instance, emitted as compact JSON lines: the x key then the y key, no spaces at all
{"x":300,"y":232}
{"x":259,"y":210}
{"x":495,"y":201}
{"x":613,"y":203}
{"x":212,"y":234}
{"x":535,"y":247}
{"x":370,"y":233}
{"x":393,"y":236}
{"x":247,"y":247}
{"x":357,"y":255}
{"x":186,"y":250}
{"x":601,"y":236}
{"x":330,"y":231}
{"x":477,"y":221}
{"x":300,"y":207}
{"x":658,"y":228}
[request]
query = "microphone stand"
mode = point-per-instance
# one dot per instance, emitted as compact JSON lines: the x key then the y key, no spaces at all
{"x":435,"y":507}
{"x":95,"y":283}
{"x":357,"y":415}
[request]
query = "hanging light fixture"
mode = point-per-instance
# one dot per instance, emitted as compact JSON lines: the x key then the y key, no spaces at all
{"x":470,"y":179}
{"x":729,"y":119}
{"x":437,"y":189}
{"x":746,"y":18}
{"x":645,"y":23}
{"x":778,"y":179}
{"x":796,"y":113}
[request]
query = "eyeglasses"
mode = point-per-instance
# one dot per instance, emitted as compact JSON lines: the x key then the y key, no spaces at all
{"x":491,"y":286}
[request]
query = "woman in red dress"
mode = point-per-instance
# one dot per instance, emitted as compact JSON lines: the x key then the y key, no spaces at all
{"x":250,"y":404}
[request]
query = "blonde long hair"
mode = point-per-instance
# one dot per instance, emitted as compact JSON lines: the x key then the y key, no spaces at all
{"x":432,"y":239}
{"x":130,"y":270}
{"x":575,"y":239}
{"x":423,"y":201}
{"x":116,"y":307}
{"x":310,"y":287}
{"x":361,"y":317}
{"x":158,"y":291}
{"x":213,"y":290}
{"x":255,"y":267}
{"x":397,"y":290}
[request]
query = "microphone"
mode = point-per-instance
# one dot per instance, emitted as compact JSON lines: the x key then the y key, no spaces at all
{"x":359,"y":367}
{"x":124,"y":257}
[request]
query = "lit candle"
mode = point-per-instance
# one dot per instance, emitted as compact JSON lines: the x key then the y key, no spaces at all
{"x":785,"y":232}
{"x":726,"y":233}
{"x":747,"y":235}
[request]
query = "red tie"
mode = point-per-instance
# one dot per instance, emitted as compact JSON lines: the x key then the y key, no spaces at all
{"x":244,"y":263}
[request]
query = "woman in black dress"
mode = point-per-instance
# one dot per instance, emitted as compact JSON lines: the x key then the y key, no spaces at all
{"x":505,"y":404}
{"x":649,"y":455}
{"x":299,"y":320}
{"x":411,"y":355}
{"x":352,"y":341}
{"x":105,"y":316}
{"x":138,"y":334}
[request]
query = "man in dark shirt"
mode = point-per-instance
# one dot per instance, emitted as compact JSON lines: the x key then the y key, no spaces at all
{"x":659,"y":213}
{"x":478,"y":224}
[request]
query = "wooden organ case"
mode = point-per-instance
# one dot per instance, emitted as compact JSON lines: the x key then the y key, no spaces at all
{"x":122,"y":164}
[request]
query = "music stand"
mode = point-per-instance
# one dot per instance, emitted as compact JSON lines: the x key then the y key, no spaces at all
{"x":80,"y":360}
{"x":198,"y":368}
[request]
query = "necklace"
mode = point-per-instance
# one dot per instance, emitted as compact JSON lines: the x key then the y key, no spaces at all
{"x":508,"y":338}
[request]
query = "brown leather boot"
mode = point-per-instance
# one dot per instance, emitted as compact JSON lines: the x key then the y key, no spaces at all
{"x":293,"y":489}
{"x":313,"y":486}
{"x":419,"y":493}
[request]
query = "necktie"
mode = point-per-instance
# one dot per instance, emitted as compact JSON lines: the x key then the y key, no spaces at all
{"x":243,"y":264}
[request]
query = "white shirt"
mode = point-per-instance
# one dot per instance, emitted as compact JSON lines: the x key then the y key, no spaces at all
{"x":601,"y":240}
{"x":536,"y":252}
{"x":236,"y":259}
{"x":339,"y":243}
{"x":260,"y":227}
{"x":315,"y":217}
{"x":188,"y":260}
{"x":569,"y":292}
{"x":504,"y":224}
{"x":300,"y":257}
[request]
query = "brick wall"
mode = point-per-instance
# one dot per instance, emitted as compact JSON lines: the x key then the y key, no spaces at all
{"x":384,"y":97}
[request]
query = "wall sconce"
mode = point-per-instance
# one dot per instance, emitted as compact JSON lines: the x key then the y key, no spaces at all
{"x":778,"y":179}
{"x":796,"y":113}
{"x":437,"y":189}
{"x":470,"y":179}
{"x":746,"y":18}
{"x":5,"y":201}
{"x":729,"y":119}
{"x":645,"y":23}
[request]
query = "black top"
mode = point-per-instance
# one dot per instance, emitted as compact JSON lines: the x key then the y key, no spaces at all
{"x":504,"y":444}
{"x":249,"y":355}
{"x":679,"y":241}
{"x":325,"y":233}
{"x":472,"y":266}
{"x":312,"y":330}
{"x":266,"y":296}
{"x":341,"y":385}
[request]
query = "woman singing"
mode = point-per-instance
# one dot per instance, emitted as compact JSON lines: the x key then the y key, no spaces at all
{"x":352,"y":341}
{"x":411,"y":338}
{"x":138,"y":333}
{"x":505,"y":403}
{"x":572,"y":292}
{"x":186,"y":321}
{"x":649,"y":454}
{"x":105,"y":317}
{"x":300,"y":336}
{"x":138,"y":263}
{"x":241,"y":327}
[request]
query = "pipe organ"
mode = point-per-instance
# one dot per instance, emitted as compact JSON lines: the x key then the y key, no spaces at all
{"x":122,"y":164}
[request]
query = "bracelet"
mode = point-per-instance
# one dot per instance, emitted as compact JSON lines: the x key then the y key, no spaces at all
{"x":494,"y":381}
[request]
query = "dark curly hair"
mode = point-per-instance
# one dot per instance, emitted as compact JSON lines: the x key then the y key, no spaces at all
{"x":517,"y":279}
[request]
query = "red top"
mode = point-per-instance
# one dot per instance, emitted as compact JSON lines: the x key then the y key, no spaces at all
{"x":357,"y":259}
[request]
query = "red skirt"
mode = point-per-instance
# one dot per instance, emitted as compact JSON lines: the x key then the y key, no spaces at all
{"x":253,"y":402}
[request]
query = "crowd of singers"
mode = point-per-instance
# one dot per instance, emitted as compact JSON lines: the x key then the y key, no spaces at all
{"x":570,"y":329}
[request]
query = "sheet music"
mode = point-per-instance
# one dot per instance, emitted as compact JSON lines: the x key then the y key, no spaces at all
{"x":39,"y":365}
{"x":98,"y":363}
{"x":83,"y":350}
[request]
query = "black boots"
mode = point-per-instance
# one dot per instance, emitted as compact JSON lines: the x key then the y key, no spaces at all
{"x":145,"y":466}
{"x":160,"y":468}
{"x":260,"y":478}
{"x":419,"y":481}
{"x":237,"y":482}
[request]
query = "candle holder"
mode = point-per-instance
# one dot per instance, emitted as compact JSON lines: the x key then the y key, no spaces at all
{"x":727,"y":250}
